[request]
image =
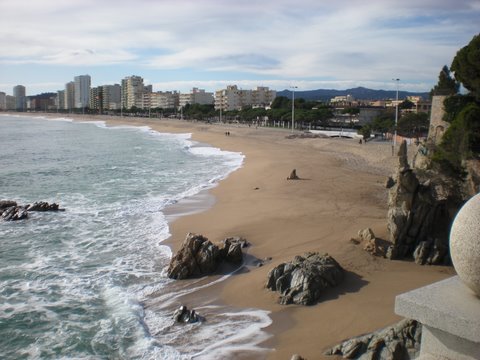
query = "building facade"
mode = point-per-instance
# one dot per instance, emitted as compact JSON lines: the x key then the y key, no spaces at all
{"x":82,"y":91}
{"x":132,"y":92}
{"x":19,"y":92}
{"x":60,"y":100}
{"x":69,"y":100}
{"x":161,"y":99}
{"x":3,"y":101}
{"x":196,"y":96}
{"x":233,"y":98}
{"x":112,"y":96}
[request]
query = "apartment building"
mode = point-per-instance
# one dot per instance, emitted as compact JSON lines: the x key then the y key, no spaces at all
{"x":19,"y":92}
{"x":3,"y":101}
{"x":60,"y":99}
{"x":69,"y":101}
{"x":132,"y":92}
{"x":112,"y":96}
{"x":233,"y":98}
{"x":196,"y":96}
{"x":82,"y":91}
{"x":161,"y":99}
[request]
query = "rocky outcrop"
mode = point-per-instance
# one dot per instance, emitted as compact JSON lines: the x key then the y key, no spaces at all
{"x":184,"y":315}
{"x":11,"y":211}
{"x":398,"y":342}
{"x":14,"y":213}
{"x":421,"y":208}
{"x":303,"y":280}
{"x":198,"y":256}
{"x":6,"y":204}
{"x":43,"y":206}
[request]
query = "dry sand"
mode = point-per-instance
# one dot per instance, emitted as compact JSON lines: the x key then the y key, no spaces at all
{"x":342,"y":191}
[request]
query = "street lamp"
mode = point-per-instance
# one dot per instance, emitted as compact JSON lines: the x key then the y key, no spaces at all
{"x":396,"y":119}
{"x":293,"y":105}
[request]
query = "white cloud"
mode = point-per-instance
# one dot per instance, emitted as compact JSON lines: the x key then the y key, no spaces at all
{"x":345,"y":40}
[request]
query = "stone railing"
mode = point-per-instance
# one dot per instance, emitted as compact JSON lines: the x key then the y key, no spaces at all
{"x":449,"y":310}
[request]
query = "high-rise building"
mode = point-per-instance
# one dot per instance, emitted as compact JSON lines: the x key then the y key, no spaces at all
{"x":60,"y":100}
{"x":112,"y":96}
{"x":196,"y":96}
{"x":20,"y":98}
{"x":132,"y":92}
{"x":69,"y":95}
{"x":96,"y":98}
{"x":82,"y":90}
{"x":3,"y":101}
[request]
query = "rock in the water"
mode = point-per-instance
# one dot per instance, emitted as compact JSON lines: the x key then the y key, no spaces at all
{"x":6,"y":204}
{"x":14,"y":213}
{"x":198,"y":256}
{"x":43,"y":206}
{"x":398,"y":342}
{"x":303,"y":280}
{"x":183,"y":315}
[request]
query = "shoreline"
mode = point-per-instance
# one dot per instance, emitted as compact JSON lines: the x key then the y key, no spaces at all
{"x":342,"y":192}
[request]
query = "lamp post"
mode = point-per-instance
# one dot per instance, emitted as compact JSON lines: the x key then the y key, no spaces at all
{"x":396,"y":119}
{"x":293,"y":105}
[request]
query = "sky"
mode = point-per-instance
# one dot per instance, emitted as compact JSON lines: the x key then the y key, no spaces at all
{"x":209,"y":44}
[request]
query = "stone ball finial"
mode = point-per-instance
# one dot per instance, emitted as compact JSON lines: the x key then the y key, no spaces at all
{"x":465,"y":244}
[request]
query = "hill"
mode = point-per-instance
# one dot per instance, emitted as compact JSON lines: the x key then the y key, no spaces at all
{"x":358,"y":93}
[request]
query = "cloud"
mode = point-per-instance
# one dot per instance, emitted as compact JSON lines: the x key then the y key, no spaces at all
{"x":311,"y":40}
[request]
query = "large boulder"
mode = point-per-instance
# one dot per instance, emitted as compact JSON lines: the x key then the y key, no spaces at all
{"x":398,"y":342}
{"x":304,"y":279}
{"x":421,"y":208}
{"x":198,"y":256}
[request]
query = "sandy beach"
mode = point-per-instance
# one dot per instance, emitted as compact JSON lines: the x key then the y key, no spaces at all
{"x":340,"y":192}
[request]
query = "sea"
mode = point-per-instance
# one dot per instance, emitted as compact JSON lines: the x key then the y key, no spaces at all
{"x":90,"y":282}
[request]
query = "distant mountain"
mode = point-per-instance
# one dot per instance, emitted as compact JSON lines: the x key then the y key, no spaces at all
{"x":360,"y":93}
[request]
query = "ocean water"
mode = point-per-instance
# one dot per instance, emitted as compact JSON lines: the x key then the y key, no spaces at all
{"x":90,"y":283}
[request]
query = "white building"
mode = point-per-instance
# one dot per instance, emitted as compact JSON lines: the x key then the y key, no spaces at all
{"x":196,"y":96}
{"x":19,"y":93}
{"x":132,"y":92}
{"x":233,"y":98}
{"x":82,"y":90}
{"x":160,"y":99}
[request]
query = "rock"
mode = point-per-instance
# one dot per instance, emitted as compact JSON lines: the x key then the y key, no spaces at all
{"x":198,"y":256}
{"x":297,"y":357}
{"x":43,"y":206}
{"x":233,"y":251}
{"x":293,"y":175}
{"x":389,"y":183}
{"x":421,"y":207}
{"x":183,"y":315}
{"x":6,"y":204}
{"x":398,"y":342}
{"x":366,"y":235}
{"x":303,"y":280}
{"x":14,"y":213}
